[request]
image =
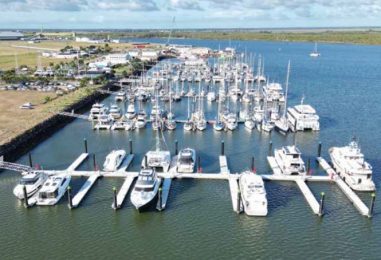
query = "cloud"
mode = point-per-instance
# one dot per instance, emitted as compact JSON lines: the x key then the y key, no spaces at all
{"x":184,"y":4}
{"x":77,"y":5}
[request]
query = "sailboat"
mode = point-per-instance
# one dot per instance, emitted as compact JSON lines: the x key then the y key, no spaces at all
{"x":188,"y":125}
{"x":315,"y":52}
{"x":282,"y":124}
{"x":219,"y":125}
{"x":170,"y":123}
{"x":200,"y":116}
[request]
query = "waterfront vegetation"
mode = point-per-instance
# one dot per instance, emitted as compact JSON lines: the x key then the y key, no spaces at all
{"x":46,"y":104}
{"x":371,"y":37}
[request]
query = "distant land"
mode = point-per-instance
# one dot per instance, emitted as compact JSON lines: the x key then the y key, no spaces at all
{"x":354,"y":35}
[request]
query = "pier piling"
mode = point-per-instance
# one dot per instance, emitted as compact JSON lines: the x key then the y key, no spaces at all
{"x":30,"y":160}
{"x":321,"y":206}
{"x":145,"y":161}
{"x":70,"y":205}
{"x":85,"y":144}
{"x":252,"y":164}
{"x":199,"y":164}
{"x":270,"y":148}
{"x":176,"y":147}
{"x":308,"y":166}
{"x":94,"y":162}
{"x":222,"y":147}
{"x":115,"y":198}
{"x":130,"y":146}
{"x":25,"y":197}
{"x":371,"y":208}
{"x":319,"y":150}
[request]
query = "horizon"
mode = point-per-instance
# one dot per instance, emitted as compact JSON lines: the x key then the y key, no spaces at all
{"x":189,"y":14}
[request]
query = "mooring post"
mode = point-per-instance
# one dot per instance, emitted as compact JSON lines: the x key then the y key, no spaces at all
{"x":25,"y":197}
{"x":30,"y":160}
{"x":321,"y":208}
{"x":115,"y":198}
{"x":199,"y":164}
{"x":94,"y":162}
{"x":252,"y":164}
{"x":270,"y":148}
{"x":145,"y":161}
{"x":222,"y":147}
{"x":160,"y":197}
{"x":239,"y":201}
{"x":319,"y":149}
{"x":176,"y":147}
{"x":371,"y":208}
{"x":70,"y":205}
{"x":130,"y":146}
{"x":308,"y":166}
{"x":85,"y":144}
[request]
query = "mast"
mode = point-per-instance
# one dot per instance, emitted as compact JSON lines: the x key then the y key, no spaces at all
{"x":287,"y":78}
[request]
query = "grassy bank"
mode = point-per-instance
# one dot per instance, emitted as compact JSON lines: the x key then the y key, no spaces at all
{"x":15,"y":121}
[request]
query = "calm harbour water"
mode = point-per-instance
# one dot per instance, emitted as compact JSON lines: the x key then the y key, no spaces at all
{"x":344,"y":87}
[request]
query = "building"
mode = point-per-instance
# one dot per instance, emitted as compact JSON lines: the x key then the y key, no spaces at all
{"x":117,"y":58}
{"x":149,"y":55}
{"x":11,"y":36}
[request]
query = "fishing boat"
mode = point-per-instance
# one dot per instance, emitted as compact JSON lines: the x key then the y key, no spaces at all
{"x":32,"y":182}
{"x":146,"y":188}
{"x":253,"y":194}
{"x":114,"y":160}
{"x":53,"y":189}
{"x":289,"y":160}
{"x":351,"y":166}
{"x":186,"y":161}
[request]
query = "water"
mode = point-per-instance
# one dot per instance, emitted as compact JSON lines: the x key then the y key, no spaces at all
{"x":344,"y":87}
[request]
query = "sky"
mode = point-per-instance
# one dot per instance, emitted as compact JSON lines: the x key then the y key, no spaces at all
{"x":158,"y":14}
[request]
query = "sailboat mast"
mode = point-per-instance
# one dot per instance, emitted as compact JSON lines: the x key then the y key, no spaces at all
{"x":287,"y":78}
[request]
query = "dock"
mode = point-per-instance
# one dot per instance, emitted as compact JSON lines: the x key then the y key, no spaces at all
{"x":274,"y":166}
{"x":234,"y":189}
{"x":123,"y":191}
{"x":164,"y":194}
{"x":310,"y":198}
{"x":351,"y":195}
{"x":224,"y":169}
{"x":84,"y":190}
{"x":77,"y":162}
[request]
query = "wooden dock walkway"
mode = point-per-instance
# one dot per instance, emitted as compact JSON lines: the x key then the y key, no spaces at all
{"x":84,"y":190}
{"x":123,"y":191}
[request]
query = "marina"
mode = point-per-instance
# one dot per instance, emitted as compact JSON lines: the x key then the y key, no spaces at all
{"x":203,"y":205}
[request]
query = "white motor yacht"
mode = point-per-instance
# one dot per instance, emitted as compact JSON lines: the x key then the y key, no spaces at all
{"x":115,"y":112}
{"x":201,"y":124}
{"x":53,"y":189}
{"x":96,"y":110}
{"x":119,"y":125}
{"x":315,"y":53}
{"x":289,"y":160}
{"x":32,"y":181}
{"x":146,"y":188}
{"x":120,"y":96}
{"x":186,"y":161}
{"x":141,"y":120}
{"x":130,"y":124}
{"x":114,"y":160}
{"x":253,"y":194}
{"x":104,"y":122}
{"x":211,"y":96}
{"x":131,"y":111}
{"x":351,"y":166}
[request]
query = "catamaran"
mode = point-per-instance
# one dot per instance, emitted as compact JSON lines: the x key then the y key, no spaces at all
{"x":289,"y":160}
{"x":282,"y":124}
